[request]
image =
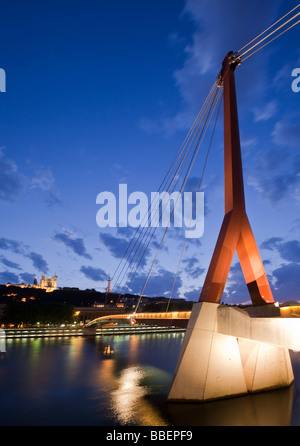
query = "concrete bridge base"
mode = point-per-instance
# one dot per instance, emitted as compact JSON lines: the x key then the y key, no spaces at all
{"x":226,"y":353}
{"x":89,"y":331}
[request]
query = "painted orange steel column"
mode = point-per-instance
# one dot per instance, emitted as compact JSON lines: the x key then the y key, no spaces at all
{"x":236,"y":233}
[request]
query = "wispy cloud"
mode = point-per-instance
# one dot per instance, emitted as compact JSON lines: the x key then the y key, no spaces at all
{"x":19,"y":248}
{"x":70,"y":240}
{"x":288,"y":250}
{"x":95,"y":274}
{"x":44,"y":180}
{"x":116,"y":245}
{"x":203,"y":54}
{"x":27,"y":277}
{"x":12,"y":245}
{"x":159,"y":284}
{"x":8,"y":277}
{"x":138,"y":252}
{"x":38,"y":261}
{"x":10,"y":264}
{"x":265,"y":112}
{"x":287,"y":282}
{"x":287,"y":133}
{"x":11,"y":181}
{"x":193,"y":269}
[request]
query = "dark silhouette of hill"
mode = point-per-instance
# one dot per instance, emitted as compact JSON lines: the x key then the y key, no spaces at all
{"x":87,"y":298}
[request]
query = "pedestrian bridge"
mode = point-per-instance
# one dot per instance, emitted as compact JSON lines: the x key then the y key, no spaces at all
{"x":180,"y":318}
{"x":170,"y":319}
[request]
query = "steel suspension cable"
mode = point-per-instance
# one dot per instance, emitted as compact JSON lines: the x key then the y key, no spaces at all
{"x":270,"y":34}
{"x":194,"y":205}
{"x":261,"y":34}
{"x":184,"y":158}
{"x":145,"y":246}
{"x":208,"y":118}
{"x":177,"y":177}
{"x":259,"y":45}
{"x":167,"y":176}
{"x":274,"y":38}
{"x":161,"y":185}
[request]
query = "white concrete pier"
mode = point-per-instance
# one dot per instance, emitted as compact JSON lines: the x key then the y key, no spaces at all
{"x":227,"y":353}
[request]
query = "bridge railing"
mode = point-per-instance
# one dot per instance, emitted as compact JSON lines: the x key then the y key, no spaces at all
{"x":171,"y":315}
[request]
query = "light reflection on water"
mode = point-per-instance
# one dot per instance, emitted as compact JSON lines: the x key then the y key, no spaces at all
{"x":68,"y":381}
{"x":128,"y":400}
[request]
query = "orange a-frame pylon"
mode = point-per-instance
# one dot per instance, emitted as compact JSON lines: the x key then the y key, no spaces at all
{"x":236,"y":233}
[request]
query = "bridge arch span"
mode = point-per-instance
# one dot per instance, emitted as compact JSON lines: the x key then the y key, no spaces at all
{"x":174,"y":318}
{"x":105,"y":320}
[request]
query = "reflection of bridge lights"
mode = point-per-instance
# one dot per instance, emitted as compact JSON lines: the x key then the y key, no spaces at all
{"x":128,"y":395}
{"x":108,"y":350}
{"x":129,"y":403}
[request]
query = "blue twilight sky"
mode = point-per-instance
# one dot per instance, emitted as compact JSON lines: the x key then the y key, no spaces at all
{"x":103,"y":93}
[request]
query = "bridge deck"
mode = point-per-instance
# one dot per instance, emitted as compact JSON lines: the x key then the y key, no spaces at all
{"x":176,"y":318}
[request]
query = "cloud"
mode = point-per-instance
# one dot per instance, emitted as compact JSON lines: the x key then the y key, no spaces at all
{"x":43,"y":179}
{"x":193,"y":295}
{"x":265,"y":112}
{"x":289,"y":251}
{"x":273,"y":188}
{"x":190,"y":262}
{"x":236,"y":290}
{"x":286,"y":133}
{"x":271,"y":243}
{"x":18,"y":248}
{"x":281,"y":174}
{"x":9,"y":277}
{"x":27,"y":277}
{"x":191,"y":269}
{"x":275,"y":159}
{"x":52,"y":199}
{"x":10,"y":264}
{"x":38,"y":261}
{"x":203,"y":55}
{"x":11,"y":245}
{"x":11,"y":182}
{"x":6,"y":276}
{"x":96,"y":274}
{"x":287,"y":282}
{"x":159,"y":284}
{"x":76,"y":244}
{"x":138,"y":251}
{"x":116,"y":245}
{"x":195,"y":273}
{"x":286,"y":278}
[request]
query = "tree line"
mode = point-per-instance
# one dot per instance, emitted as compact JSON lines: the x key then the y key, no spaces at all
{"x":32,"y":313}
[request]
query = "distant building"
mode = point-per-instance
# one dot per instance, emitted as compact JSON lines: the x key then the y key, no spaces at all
{"x":46,"y":284}
{"x":21,"y":285}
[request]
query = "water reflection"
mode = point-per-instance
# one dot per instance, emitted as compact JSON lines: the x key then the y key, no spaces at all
{"x":68,"y":381}
{"x":128,"y":388}
{"x":129,"y":403}
{"x":273,"y":408}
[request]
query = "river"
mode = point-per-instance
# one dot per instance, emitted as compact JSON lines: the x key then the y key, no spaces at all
{"x":70,"y":382}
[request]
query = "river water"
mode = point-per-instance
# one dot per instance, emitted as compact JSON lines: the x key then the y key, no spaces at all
{"x":70,"y":382}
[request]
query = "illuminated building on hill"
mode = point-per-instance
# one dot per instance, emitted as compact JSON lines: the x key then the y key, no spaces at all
{"x":48,"y":284}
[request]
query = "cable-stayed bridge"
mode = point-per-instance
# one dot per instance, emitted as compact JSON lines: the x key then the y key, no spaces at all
{"x":226,"y":351}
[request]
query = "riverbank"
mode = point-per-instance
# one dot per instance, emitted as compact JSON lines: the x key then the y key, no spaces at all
{"x":36,"y":332}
